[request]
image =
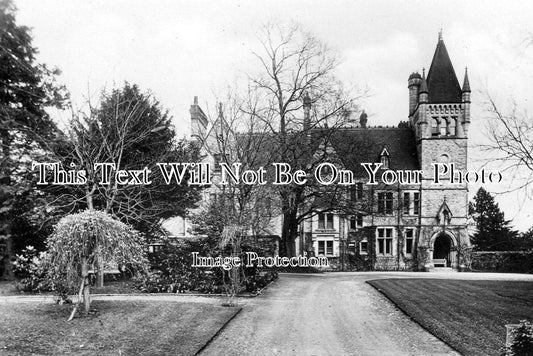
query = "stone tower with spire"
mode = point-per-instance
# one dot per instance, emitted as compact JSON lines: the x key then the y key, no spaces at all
{"x":439,"y":115}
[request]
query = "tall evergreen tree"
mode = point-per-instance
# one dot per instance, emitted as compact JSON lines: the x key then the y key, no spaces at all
{"x":26,"y":89}
{"x":493,"y":231}
{"x":131,"y":130}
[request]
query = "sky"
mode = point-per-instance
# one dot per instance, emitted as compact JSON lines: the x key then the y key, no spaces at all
{"x":181,"y":49}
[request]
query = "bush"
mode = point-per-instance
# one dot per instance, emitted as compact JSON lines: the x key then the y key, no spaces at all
{"x":503,"y":261}
{"x":171,"y":271}
{"x":31,"y":268}
{"x":522,"y":344}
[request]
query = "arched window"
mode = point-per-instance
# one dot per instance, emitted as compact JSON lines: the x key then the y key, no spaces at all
{"x":453,"y":126}
{"x":444,"y":127}
{"x":435,"y":129}
{"x":384,"y":158}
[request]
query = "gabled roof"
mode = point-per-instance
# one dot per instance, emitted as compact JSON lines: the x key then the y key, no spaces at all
{"x":347,"y":146}
{"x":443,"y":86}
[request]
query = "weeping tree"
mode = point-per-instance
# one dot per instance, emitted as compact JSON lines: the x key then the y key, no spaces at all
{"x":80,"y":241}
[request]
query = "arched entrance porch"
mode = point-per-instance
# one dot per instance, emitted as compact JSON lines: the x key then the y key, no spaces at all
{"x":444,"y":251}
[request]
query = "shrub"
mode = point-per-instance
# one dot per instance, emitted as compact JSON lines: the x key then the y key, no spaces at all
{"x":503,"y":261}
{"x":171,"y":271}
{"x":522,"y":344}
{"x":31,"y":267}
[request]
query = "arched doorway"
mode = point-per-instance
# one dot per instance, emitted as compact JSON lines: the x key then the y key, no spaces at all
{"x":442,"y":247}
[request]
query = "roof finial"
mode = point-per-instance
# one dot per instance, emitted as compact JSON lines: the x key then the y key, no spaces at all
{"x":423,"y":87}
{"x":466,"y":82}
{"x":440,"y":34}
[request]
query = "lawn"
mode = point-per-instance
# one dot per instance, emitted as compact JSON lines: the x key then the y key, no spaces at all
{"x":110,"y":287}
{"x":468,"y":315}
{"x":119,"y":328}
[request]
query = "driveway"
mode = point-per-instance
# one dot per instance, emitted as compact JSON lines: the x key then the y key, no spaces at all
{"x":331,"y":314}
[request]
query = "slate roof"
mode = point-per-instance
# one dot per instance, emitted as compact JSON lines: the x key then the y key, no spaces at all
{"x":355,"y":146}
{"x":352,"y":146}
{"x":442,"y":82}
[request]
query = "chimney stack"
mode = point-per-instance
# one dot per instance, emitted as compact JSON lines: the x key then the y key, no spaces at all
{"x":363,"y":119}
{"x":307,"y":112}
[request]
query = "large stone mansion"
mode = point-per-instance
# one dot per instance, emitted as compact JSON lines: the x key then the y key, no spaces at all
{"x":408,"y":226}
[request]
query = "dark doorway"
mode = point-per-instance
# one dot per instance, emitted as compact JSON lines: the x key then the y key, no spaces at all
{"x":442,"y":248}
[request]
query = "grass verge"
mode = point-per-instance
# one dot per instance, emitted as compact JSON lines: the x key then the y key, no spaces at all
{"x":468,"y":315}
{"x":119,"y":328}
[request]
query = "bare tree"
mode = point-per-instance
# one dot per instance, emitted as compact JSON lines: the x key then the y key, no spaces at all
{"x":297,"y":76}
{"x":241,"y":207}
{"x":510,"y":143}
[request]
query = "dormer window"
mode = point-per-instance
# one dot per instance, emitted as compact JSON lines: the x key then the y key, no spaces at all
{"x":384,"y":158}
{"x":385,"y":162}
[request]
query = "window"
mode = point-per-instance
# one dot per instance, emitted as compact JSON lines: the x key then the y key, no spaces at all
{"x":356,"y":192}
{"x":444,"y":127}
{"x":408,"y":198}
{"x":155,"y":248}
{"x":321,"y":220}
{"x":356,"y":221}
{"x":385,"y":202}
{"x":381,"y":203}
{"x":444,"y":158}
{"x":409,"y":238}
{"x":384,"y":238}
{"x":363,"y":247}
{"x":435,"y":127}
{"x":385,"y":162}
{"x":359,"y":190}
{"x":416,"y":203}
{"x":321,"y":248}
{"x":359,"y":220}
{"x":384,"y":158}
{"x":325,"y":221}
{"x":406,"y":203}
{"x":452,"y":123}
{"x":329,"y":247}
{"x":353,"y":194}
{"x":325,"y":247}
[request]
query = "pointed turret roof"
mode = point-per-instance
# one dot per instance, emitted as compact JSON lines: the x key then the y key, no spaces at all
{"x":424,"y":86}
{"x":442,"y":82}
{"x":466,"y":82}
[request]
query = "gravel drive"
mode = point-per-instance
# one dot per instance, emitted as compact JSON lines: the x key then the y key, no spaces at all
{"x":324,"y":314}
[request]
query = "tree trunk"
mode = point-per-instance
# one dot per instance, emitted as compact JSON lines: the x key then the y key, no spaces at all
{"x":100,"y":273}
{"x":86,"y":290}
{"x":8,"y":253}
{"x":5,"y":221}
{"x":289,"y":232}
{"x":100,"y":264}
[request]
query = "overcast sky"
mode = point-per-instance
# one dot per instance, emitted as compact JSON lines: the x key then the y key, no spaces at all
{"x":182,"y":49}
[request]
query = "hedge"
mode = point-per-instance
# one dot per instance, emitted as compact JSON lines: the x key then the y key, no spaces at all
{"x":503,"y":261}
